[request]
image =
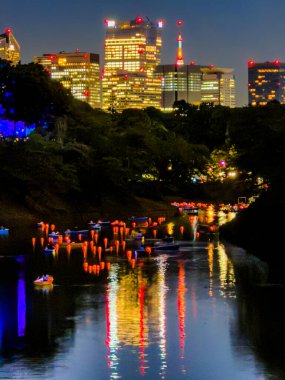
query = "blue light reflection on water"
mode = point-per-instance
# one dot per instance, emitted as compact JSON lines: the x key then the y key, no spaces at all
{"x":172,"y":317}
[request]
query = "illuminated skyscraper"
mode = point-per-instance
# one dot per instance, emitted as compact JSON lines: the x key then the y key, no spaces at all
{"x":132,"y":51}
{"x":266,"y":82}
{"x":194,"y":83}
{"x":79,"y":72}
{"x":9,"y":47}
{"x":218,"y":86}
{"x":179,"y":82}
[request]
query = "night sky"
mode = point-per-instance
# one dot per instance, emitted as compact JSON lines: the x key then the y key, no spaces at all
{"x":225,"y":33}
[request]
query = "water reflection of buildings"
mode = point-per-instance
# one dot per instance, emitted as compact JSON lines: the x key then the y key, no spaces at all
{"x":226,"y":271}
{"x":132,"y":305}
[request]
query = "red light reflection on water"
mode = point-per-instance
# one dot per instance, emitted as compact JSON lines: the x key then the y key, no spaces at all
{"x":181,"y":304}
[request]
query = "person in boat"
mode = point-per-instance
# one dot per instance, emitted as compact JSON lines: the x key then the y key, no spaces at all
{"x":168,"y":238}
{"x":139,"y":239}
{"x":50,"y":245}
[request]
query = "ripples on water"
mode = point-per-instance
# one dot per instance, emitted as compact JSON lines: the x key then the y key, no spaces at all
{"x":170,"y":316}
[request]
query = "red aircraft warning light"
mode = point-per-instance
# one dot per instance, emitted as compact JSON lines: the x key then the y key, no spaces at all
{"x":8,"y":31}
{"x":179,"y":23}
{"x":250,"y":63}
{"x":276,"y":62}
{"x":139,"y":20}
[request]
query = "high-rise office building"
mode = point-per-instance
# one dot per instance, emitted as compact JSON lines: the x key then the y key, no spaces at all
{"x":9,"y":47}
{"x":266,"y":82}
{"x":132,"y":51}
{"x":218,"y":86}
{"x":79,"y":72}
{"x":179,"y":82}
{"x":196,"y":85}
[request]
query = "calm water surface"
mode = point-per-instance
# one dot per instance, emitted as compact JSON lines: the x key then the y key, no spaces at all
{"x":190,"y":315}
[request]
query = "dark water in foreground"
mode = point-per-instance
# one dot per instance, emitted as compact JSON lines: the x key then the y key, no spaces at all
{"x":204,"y":313}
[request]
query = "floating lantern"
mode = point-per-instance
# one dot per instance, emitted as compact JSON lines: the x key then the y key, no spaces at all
{"x":181,"y":230}
{"x":85,"y":266}
{"x":117,"y":246}
{"x":154,"y":233}
{"x":148,"y":250}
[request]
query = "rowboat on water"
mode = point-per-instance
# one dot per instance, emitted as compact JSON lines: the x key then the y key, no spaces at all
{"x":45,"y":280}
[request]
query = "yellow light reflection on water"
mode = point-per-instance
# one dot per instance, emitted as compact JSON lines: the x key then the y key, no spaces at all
{"x":210,"y":263}
{"x":227,"y":275}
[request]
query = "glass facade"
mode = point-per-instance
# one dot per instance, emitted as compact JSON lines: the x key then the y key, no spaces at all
{"x":218,"y":86}
{"x":132,"y":51}
{"x":266,"y":82}
{"x":79,"y":72}
{"x":9,"y":47}
{"x":179,"y":82}
{"x":196,"y":85}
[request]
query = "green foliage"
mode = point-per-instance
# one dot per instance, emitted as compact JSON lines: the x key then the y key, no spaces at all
{"x":86,"y":153}
{"x":27,"y":93}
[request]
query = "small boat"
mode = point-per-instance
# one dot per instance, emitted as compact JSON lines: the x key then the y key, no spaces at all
{"x":139,"y":219}
{"x":166,"y":247}
{"x":191,"y":210}
{"x":104,"y":223}
{"x":76,"y":232}
{"x":45,"y":280}
{"x":167,"y":244}
{"x":49,"y":250}
{"x":207,"y":229}
{"x":94,"y":226}
{"x":4,"y":231}
{"x":55,"y":236}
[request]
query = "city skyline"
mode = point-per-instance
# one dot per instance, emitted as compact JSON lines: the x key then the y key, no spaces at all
{"x":214,"y":32}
